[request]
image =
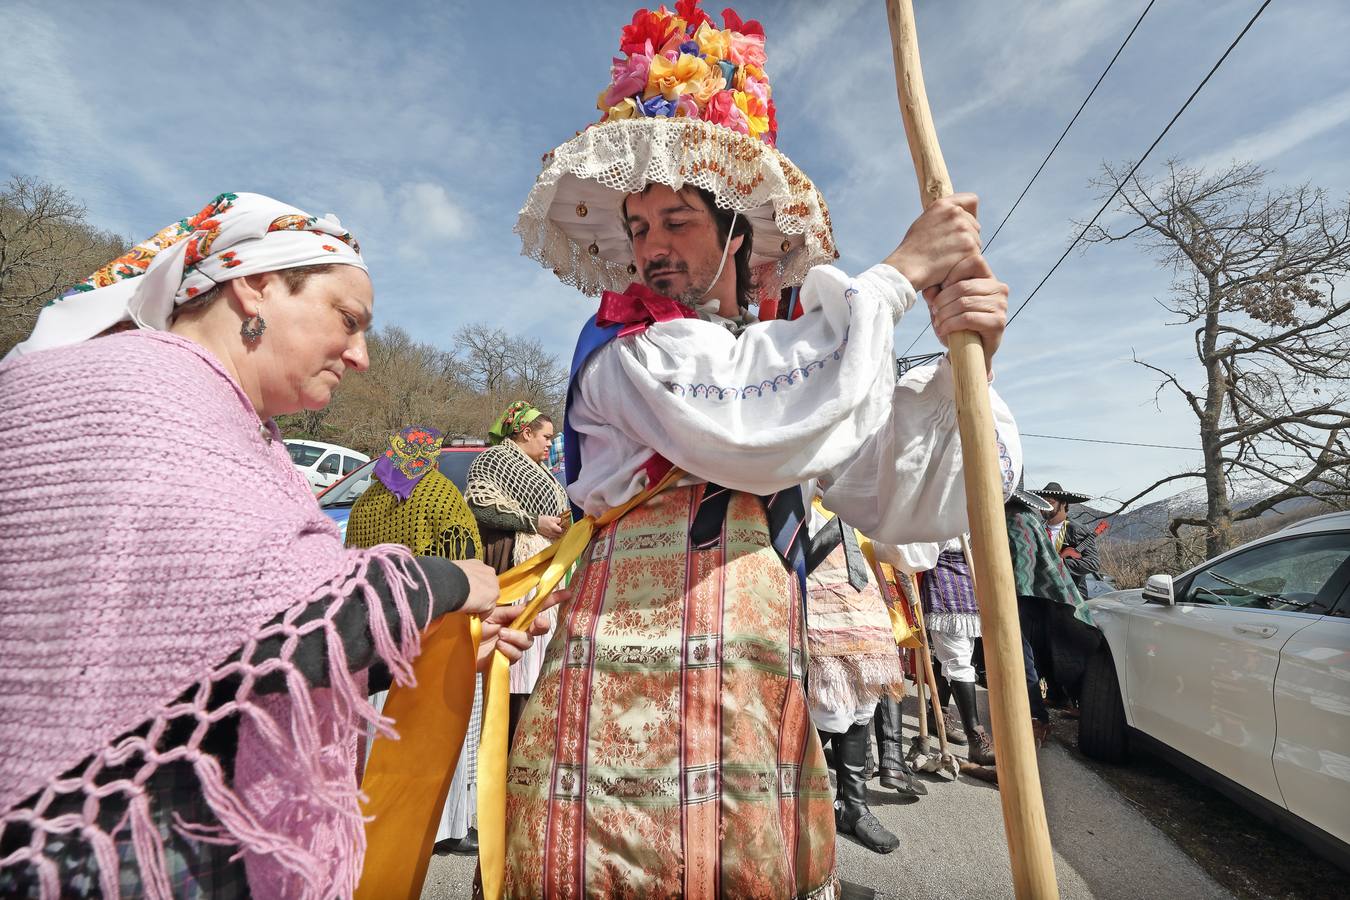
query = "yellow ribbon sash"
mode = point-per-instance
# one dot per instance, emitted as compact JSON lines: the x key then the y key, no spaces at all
{"x":407,"y":779}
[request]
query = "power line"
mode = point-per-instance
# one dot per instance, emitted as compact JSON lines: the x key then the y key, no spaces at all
{"x":1081,"y":440}
{"x":1070,"y":125}
{"x":1136,"y":166}
{"x":1041,"y":167}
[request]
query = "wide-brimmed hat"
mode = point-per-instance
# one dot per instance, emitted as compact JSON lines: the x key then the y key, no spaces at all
{"x":1024,"y":497}
{"x":1053,"y":491}
{"x":689,"y":104}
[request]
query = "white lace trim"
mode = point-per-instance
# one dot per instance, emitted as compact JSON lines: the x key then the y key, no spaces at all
{"x":625,"y":156}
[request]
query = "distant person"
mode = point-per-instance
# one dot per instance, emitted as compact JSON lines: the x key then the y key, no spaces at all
{"x":1076,"y":544}
{"x":521,"y":508}
{"x":852,"y":664}
{"x":1050,"y":606}
{"x":410,"y":502}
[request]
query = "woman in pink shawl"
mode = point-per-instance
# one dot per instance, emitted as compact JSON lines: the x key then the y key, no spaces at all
{"x":184,"y":640}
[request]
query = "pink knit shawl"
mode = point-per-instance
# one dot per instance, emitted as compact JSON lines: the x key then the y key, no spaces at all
{"x":149,"y":528}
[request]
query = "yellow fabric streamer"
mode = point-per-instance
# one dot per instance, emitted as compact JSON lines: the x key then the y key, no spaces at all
{"x":543,"y":571}
{"x":406,"y":780}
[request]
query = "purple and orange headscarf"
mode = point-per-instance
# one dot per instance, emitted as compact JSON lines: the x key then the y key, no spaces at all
{"x":412,"y":453}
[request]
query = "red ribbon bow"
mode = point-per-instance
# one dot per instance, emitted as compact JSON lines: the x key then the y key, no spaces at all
{"x":637,"y":308}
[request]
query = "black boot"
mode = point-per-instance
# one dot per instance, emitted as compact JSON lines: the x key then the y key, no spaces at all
{"x":851,"y":815}
{"x":895,"y":772}
{"x":981,"y":750}
{"x":955,"y":733}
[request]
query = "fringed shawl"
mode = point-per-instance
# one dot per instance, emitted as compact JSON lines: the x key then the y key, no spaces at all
{"x":150,"y":529}
{"x":505,"y":479}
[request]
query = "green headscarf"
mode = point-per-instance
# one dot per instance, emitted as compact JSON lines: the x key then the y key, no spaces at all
{"x":512,"y":422}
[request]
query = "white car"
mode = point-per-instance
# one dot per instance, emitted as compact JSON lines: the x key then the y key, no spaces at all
{"x":323,"y":464}
{"x":1239,"y":671}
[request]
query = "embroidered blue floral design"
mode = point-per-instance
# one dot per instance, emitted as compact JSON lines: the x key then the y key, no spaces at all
{"x":754,"y":391}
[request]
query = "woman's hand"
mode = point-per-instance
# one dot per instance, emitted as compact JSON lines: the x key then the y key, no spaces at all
{"x":550,"y":527}
{"x":483,"y":587}
{"x":512,"y":642}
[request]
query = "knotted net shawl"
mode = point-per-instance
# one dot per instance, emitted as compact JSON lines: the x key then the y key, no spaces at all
{"x":506,"y":479}
{"x":149,"y":529}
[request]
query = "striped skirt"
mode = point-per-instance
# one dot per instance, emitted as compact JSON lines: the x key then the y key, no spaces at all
{"x":667,"y":750}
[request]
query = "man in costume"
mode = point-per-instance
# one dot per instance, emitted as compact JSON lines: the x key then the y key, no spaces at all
{"x":1056,"y":627}
{"x":853,"y":665}
{"x":410,"y":502}
{"x":1076,"y":544}
{"x":520,"y":509}
{"x":953,"y":620}
{"x":667,"y":749}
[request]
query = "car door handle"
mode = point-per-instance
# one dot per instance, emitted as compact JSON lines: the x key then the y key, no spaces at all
{"x":1263,"y":631}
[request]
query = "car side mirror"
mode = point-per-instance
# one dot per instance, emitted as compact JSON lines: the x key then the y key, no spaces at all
{"x":1158,"y":589}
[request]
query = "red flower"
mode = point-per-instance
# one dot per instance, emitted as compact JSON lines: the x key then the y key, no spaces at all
{"x":330,"y":248}
{"x":692,"y":15}
{"x":734,"y":23}
{"x":647,"y":26}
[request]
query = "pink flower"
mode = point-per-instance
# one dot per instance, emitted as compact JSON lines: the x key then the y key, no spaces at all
{"x":719,"y":107}
{"x":747,"y":49}
{"x":756,"y":88}
{"x":686,"y":106}
{"x":630,"y":77}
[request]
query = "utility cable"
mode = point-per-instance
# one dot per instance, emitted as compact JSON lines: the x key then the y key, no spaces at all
{"x":1156,"y":141}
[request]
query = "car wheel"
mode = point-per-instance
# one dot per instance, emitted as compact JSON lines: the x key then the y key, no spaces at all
{"x":1102,"y":732}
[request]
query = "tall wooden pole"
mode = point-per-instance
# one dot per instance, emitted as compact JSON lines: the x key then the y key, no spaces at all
{"x":1033,"y":865}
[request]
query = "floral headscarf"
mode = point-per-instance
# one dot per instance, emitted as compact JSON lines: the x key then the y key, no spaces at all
{"x":412,"y":453}
{"x":232,"y":236}
{"x":512,"y":422}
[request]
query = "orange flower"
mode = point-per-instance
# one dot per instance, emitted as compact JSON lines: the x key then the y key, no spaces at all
{"x":671,"y":79}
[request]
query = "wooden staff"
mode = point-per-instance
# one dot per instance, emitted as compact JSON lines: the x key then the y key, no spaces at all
{"x":1033,"y":865}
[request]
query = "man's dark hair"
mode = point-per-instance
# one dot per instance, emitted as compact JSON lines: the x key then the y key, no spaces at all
{"x":745,"y":279}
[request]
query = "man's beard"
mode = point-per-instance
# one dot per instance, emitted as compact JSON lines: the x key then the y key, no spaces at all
{"x":693,"y":294}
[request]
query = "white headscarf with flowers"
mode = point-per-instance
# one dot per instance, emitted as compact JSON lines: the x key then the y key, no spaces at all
{"x":234,"y":235}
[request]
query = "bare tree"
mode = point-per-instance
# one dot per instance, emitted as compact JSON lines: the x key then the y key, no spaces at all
{"x":1256,"y":273}
{"x":45,"y":246}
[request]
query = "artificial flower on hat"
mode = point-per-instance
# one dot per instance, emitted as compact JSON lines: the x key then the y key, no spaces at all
{"x":687,"y":103}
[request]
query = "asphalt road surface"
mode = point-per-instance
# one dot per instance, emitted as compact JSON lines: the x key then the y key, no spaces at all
{"x":953,"y":844}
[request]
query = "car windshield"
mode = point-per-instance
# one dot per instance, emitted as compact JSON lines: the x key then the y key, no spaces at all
{"x":453,"y":464}
{"x":304,"y":454}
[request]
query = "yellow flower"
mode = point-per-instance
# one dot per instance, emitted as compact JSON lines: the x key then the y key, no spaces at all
{"x":671,"y":79}
{"x":756,"y":113}
{"x":713,"y":43}
{"x":625,"y":110}
{"x":705,"y":88}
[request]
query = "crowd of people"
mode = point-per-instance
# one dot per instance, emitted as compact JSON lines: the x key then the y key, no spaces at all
{"x":189,"y":650}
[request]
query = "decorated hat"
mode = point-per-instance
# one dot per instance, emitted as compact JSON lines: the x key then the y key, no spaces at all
{"x":1053,"y":491}
{"x":687,"y":104}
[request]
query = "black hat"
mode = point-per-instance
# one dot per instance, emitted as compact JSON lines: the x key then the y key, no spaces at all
{"x":1022,"y":496}
{"x":1053,"y":491}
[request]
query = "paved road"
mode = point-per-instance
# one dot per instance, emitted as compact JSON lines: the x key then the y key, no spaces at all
{"x":953,"y":845}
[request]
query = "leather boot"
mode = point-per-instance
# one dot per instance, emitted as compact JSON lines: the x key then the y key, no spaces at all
{"x":851,"y":815}
{"x":895,"y":772}
{"x":981,"y":751}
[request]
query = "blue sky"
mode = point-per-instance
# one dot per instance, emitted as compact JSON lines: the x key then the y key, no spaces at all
{"x":421,"y":125}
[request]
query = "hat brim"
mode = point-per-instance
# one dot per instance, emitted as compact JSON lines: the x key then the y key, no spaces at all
{"x":1066,"y":496}
{"x":572,"y":221}
{"x":1031,"y":501}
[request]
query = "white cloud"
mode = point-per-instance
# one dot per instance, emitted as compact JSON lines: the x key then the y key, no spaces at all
{"x":428,"y":215}
{"x":1312,"y":121}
